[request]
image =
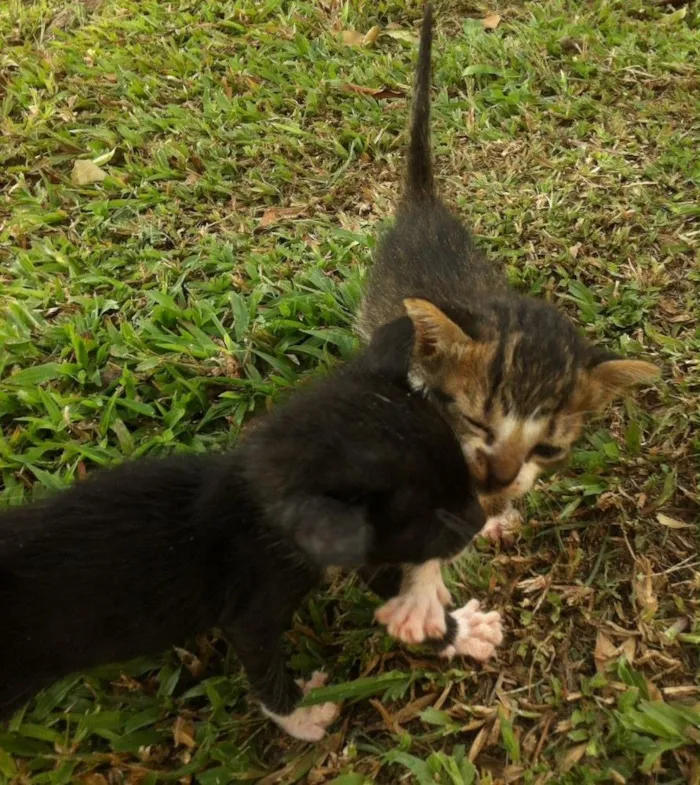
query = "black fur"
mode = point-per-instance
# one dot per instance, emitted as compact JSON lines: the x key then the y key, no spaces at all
{"x":356,"y":470}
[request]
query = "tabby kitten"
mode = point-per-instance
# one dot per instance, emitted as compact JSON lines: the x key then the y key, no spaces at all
{"x":510,"y":373}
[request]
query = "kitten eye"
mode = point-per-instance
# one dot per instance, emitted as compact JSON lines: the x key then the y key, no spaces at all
{"x":546,"y":451}
{"x":479,"y":426}
{"x":442,"y":396}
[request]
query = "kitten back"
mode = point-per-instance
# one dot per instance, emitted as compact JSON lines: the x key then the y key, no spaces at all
{"x":419,"y":176}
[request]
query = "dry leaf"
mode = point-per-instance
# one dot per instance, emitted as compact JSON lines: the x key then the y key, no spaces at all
{"x":352,"y":37}
{"x":491,"y":21}
{"x":375,"y":92}
{"x":94,"y":779}
{"x":573,"y":756}
{"x":275,"y":214}
{"x":355,"y":38}
{"x":479,"y":743}
{"x":644,"y":594}
{"x":654,"y":691}
{"x":412,"y":709}
{"x":629,"y":649}
{"x":370,"y":36}
{"x":605,"y":652}
{"x":673,"y":523}
{"x":183,"y":733}
{"x":86,"y":173}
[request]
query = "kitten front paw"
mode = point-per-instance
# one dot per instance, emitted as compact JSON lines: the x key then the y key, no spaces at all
{"x":478,"y":634}
{"x":417,"y":614}
{"x":308,"y":723}
{"x":504,"y":527}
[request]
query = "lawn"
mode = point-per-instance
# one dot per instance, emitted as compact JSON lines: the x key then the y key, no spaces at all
{"x":251,"y":153}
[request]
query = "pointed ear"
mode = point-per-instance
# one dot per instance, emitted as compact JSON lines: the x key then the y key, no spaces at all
{"x":612,"y":378}
{"x":434,"y":332}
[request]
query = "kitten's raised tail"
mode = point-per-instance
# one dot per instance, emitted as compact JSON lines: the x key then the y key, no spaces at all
{"x":419,"y":178}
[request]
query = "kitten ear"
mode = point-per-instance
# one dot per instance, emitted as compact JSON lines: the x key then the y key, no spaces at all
{"x":611,"y":379}
{"x":330,"y":532}
{"x":434,"y":332}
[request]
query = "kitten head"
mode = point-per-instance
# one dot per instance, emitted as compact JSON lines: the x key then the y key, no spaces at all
{"x":516,"y":382}
{"x":357,"y":470}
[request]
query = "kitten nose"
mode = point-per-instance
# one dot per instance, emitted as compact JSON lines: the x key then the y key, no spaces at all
{"x":500,"y":471}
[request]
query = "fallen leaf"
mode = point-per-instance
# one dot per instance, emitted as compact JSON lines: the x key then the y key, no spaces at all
{"x":412,"y":709}
{"x":352,"y":37}
{"x":479,"y":743}
{"x":355,"y":38}
{"x":183,"y":733}
{"x":62,"y":19}
{"x":629,"y":649}
{"x":491,"y":21}
{"x":94,"y":779}
{"x":105,"y":158}
{"x":86,"y":173}
{"x":375,"y":92}
{"x":654,"y":691}
{"x":673,"y":523}
{"x":573,"y":756}
{"x":399,"y":34}
{"x":643,"y":589}
{"x":371,"y":36}
{"x":605,"y":652}
{"x":275,"y":214}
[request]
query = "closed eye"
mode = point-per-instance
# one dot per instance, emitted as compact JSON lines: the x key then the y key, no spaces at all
{"x":479,"y":426}
{"x":547,"y":451}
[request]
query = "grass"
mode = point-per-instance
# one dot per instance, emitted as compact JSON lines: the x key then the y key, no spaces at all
{"x":249,"y":165}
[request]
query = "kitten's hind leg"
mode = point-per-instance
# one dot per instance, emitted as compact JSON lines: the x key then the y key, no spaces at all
{"x":502,"y":520}
{"x":307,"y":723}
{"x":256,"y":636}
{"x":418,"y":612}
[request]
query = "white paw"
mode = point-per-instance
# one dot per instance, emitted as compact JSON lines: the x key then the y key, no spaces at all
{"x":503,"y":527}
{"x":308,"y":723}
{"x":478,"y":634}
{"x":418,"y":613}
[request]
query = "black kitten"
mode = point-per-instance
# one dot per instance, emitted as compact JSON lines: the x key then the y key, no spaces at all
{"x":356,"y":471}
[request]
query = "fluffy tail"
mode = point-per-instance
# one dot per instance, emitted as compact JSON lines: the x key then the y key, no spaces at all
{"x":419,"y":178}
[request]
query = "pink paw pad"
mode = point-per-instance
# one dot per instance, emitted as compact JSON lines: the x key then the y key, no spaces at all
{"x":416,"y":615}
{"x":478,"y":634}
{"x":308,"y":723}
{"x":503,"y":528}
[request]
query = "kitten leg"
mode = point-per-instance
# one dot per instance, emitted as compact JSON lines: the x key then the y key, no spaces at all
{"x":385,"y":582}
{"x":272,"y":683}
{"x":418,"y":611}
{"x":307,"y":723}
{"x":255,"y":632}
{"x":503,"y":520}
